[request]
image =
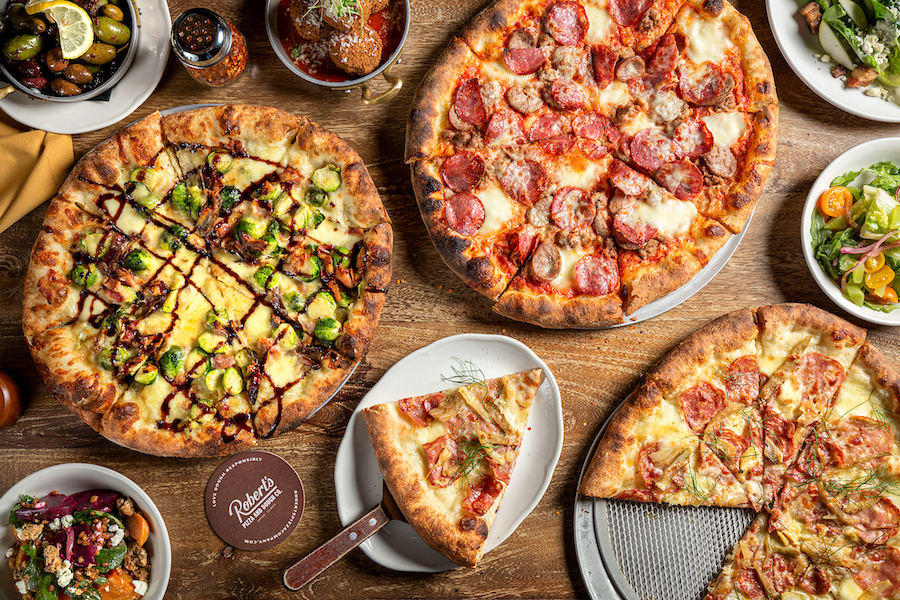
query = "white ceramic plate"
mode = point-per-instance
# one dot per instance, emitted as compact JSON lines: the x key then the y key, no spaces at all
{"x":78,"y":477}
{"x":799,"y":47}
{"x":358,"y":480}
{"x":135,"y":87}
{"x":853,"y":159}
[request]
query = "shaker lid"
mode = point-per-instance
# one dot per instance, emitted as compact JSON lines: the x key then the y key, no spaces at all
{"x":201,"y":37}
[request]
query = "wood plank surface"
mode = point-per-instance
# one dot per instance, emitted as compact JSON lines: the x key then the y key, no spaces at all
{"x":426,"y":302}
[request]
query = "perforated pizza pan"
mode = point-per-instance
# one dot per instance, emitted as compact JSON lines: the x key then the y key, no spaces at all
{"x":637,"y":551}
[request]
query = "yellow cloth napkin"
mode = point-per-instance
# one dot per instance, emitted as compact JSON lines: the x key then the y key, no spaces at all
{"x":33,"y":164}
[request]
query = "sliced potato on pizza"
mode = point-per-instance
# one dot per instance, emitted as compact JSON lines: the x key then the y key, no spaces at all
{"x":447,"y":457}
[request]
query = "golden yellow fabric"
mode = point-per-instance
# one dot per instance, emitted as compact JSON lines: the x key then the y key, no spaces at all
{"x":33,"y":164}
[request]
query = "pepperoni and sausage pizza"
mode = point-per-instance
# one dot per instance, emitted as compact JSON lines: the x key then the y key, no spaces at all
{"x":447,"y":457}
{"x":785,"y":409}
{"x":207,"y":278}
{"x":576,"y":160}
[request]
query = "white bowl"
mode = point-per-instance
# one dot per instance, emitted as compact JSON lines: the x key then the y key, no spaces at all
{"x":77,"y":477}
{"x":853,"y":159}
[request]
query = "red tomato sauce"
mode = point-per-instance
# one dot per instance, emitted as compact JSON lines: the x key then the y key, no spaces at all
{"x":312,"y":57}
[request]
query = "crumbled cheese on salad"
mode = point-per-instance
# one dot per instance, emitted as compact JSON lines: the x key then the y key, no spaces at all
{"x":140,"y":587}
{"x":67,"y":521}
{"x":872,"y":45}
{"x":823,"y":57}
{"x":10,"y":552}
{"x":55,"y":524}
{"x":64,"y":575}
{"x":876,"y":91}
{"x":22,"y":587}
{"x":118,"y":534}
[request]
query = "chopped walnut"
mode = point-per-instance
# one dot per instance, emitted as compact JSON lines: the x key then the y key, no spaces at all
{"x":838,"y":71}
{"x":52,"y":562}
{"x":125,"y":506}
{"x":813,"y":15}
{"x":30,"y":531}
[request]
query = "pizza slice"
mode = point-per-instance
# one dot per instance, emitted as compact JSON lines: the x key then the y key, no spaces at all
{"x":663,"y":241}
{"x":448,"y":457}
{"x":649,"y":453}
{"x":805,"y":353}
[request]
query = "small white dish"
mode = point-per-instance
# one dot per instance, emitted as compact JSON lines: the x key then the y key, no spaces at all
{"x":855,"y":158}
{"x":136,"y":86}
{"x":358,"y":481}
{"x":77,"y":477}
{"x":799,"y":47}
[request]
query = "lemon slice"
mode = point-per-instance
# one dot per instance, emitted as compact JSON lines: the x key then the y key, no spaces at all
{"x":74,"y":24}
{"x":35,"y":6}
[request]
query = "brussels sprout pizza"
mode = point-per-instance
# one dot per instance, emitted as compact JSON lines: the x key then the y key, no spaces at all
{"x":207,"y":278}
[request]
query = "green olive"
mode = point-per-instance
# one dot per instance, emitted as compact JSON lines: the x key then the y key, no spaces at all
{"x":23,"y":47}
{"x":37,"y":25}
{"x":78,"y":74}
{"x":99,"y":54}
{"x":61,"y":87}
{"x":112,"y":11}
{"x":17,"y":16}
{"x":111,"y":31}
{"x":54,"y":60}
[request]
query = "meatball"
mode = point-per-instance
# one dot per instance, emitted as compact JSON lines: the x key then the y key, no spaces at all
{"x":356,"y":52}
{"x":306,"y":17}
{"x":347,"y":15}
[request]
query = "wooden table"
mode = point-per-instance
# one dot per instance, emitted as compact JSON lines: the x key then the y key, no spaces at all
{"x":426,"y":302}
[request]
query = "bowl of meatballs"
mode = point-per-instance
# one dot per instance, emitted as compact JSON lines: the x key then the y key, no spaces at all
{"x":66,"y":51}
{"x":340,"y":44}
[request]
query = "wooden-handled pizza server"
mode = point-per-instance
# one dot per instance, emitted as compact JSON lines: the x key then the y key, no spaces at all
{"x":310,"y":566}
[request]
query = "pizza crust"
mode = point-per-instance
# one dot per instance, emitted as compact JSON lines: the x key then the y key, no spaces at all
{"x":523,"y":304}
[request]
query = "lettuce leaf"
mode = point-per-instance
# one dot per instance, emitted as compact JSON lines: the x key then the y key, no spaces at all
{"x":845,"y":178}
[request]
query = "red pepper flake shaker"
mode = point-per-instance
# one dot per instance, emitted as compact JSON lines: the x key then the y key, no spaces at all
{"x":210,"y":48}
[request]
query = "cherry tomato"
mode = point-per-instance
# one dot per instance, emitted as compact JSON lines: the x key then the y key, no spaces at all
{"x":879,"y":278}
{"x":890,"y":296}
{"x":874,"y":263}
{"x":835,"y":201}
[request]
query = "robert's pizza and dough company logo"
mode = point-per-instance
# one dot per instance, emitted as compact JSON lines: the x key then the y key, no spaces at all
{"x":249,"y":508}
{"x":254,"y":500}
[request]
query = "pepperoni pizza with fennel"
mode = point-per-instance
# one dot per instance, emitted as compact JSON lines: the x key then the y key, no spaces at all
{"x":801,"y":413}
{"x":575,"y":160}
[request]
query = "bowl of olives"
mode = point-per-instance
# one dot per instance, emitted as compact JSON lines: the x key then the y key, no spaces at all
{"x":66,"y":51}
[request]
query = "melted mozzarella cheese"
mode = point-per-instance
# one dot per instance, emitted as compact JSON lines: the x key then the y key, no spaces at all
{"x":726,"y":128}
{"x":128,"y":221}
{"x":615,"y":94}
{"x":566,"y":277}
{"x":707,"y":39}
{"x":640,"y":122}
{"x":600,"y":22}
{"x":498,"y":210}
{"x":847,"y":589}
{"x":669,"y":216}
{"x":583,"y":177}
{"x":498,"y":71}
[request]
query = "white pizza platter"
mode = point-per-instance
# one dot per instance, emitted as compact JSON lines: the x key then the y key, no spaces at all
{"x":358,"y":481}
{"x":632,"y":550}
{"x":136,"y":86}
{"x":800,"y":47}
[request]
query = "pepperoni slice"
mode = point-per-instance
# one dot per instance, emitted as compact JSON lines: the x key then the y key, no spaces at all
{"x":603,"y":60}
{"x":742,"y":380}
{"x":567,"y":23}
{"x":628,"y":231}
{"x":572,"y":207}
{"x":780,"y":434}
{"x":882,"y":564}
{"x":703,"y":85}
{"x":546,"y":262}
{"x":464,"y":213}
{"x":594,"y":126}
{"x":650,"y":149}
{"x":523,"y":243}
{"x":417,"y":408}
{"x":433,"y":451}
{"x":692,"y":139}
{"x":699,"y":404}
{"x":820,"y":377}
{"x":649,"y":471}
{"x":628,"y":12}
{"x":665,"y":57}
{"x":462,"y":172}
{"x":815,"y":581}
{"x":681,"y":178}
{"x":524,"y":181}
{"x":627,"y":179}
{"x":505,"y":128}
{"x":552,"y":131}
{"x":567,"y":94}
{"x":596,"y":275}
{"x":747,"y":582}
{"x":523,"y":61}
{"x":592,"y":148}
{"x":856,"y":440}
{"x":468,"y":103}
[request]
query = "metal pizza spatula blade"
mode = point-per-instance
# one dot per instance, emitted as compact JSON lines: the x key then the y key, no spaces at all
{"x":310,"y":566}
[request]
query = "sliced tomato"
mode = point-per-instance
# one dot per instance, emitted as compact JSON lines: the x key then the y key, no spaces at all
{"x":835,"y":201}
{"x":874,"y":263}
{"x":880,"y":278}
